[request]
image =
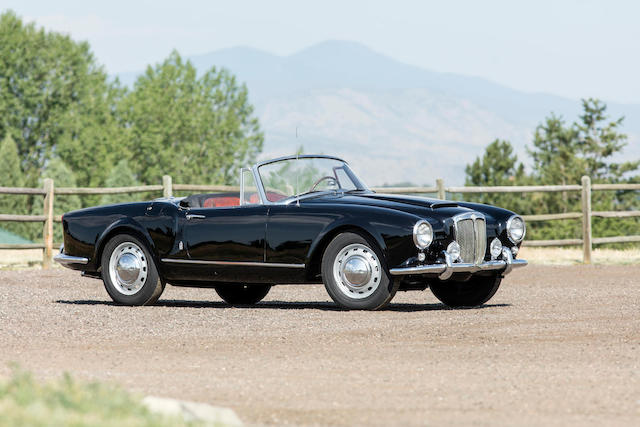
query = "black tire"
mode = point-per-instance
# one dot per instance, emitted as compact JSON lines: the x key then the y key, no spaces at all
{"x":152,"y":285}
{"x":239,"y":294}
{"x":472,"y":293}
{"x":379,"y":288}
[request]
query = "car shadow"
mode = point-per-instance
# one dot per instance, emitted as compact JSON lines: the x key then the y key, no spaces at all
{"x":287,"y":305}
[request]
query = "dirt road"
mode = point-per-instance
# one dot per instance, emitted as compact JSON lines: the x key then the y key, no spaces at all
{"x":555,"y":346}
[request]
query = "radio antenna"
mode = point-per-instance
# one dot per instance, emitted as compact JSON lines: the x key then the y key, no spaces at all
{"x":297,"y":173}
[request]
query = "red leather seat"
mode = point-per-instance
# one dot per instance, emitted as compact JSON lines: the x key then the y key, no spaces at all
{"x":219,"y":202}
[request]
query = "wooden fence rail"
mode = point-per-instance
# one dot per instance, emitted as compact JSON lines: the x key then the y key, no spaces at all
{"x":167,"y":189}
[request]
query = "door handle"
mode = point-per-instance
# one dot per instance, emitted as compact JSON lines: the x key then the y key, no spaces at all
{"x":195,"y":216}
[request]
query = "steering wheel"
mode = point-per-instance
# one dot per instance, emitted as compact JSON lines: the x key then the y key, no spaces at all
{"x":324,"y":178}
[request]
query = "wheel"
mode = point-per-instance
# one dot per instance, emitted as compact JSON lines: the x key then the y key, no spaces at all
{"x":129,"y":274}
{"x":239,"y":294}
{"x":354,"y":274}
{"x":476,"y":291}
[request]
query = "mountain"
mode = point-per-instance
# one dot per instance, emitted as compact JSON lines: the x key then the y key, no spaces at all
{"x":392,"y":121}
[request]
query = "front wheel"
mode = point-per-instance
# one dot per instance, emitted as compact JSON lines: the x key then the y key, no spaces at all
{"x":474,"y":292}
{"x":354,"y":275}
{"x":239,"y":294}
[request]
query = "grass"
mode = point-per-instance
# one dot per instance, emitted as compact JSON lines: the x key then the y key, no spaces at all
{"x":66,"y":402}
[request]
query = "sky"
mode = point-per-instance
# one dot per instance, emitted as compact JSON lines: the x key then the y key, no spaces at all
{"x":571,"y":48}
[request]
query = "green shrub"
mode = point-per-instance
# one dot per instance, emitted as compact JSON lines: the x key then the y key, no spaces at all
{"x":66,"y":402}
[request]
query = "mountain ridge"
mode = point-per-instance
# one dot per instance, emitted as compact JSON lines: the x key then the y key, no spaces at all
{"x":343,"y":98}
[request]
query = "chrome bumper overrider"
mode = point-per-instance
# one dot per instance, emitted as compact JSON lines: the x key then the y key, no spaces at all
{"x":65,"y":260}
{"x":444,"y":271}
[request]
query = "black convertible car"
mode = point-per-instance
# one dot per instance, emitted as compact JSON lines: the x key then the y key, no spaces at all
{"x":296,"y":220}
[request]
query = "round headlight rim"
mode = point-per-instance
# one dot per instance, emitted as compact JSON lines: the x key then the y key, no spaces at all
{"x":415,"y":234}
{"x":524,"y":231}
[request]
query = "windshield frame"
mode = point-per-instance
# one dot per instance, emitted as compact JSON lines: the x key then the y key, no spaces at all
{"x":290,"y":199}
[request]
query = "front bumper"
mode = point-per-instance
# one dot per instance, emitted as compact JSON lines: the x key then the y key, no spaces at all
{"x":443,"y":271}
{"x":67,"y":260}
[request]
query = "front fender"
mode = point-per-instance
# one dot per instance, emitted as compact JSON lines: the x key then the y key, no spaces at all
{"x":124,"y":225}
{"x":391,"y":230}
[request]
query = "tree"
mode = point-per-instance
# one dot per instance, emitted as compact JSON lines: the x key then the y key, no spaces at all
{"x":62,"y":176}
{"x":54,"y":98}
{"x":599,"y":140}
{"x":563,"y":153}
{"x":11,"y":176}
{"x":198,"y":129}
{"x":120,"y":176}
{"x":498,"y":166}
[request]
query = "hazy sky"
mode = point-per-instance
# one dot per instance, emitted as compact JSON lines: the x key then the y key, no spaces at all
{"x":570,"y":48}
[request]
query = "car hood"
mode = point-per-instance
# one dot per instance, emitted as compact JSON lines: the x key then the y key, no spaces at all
{"x":420,"y":206}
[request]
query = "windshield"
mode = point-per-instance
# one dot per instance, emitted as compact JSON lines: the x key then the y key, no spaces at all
{"x":294,"y":177}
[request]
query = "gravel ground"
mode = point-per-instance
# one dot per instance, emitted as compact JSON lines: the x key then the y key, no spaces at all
{"x":557,"y":345}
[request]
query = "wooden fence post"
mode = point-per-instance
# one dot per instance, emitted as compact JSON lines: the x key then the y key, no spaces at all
{"x":167,"y":186}
{"x":441,"y":191}
{"x":47,"y":233}
{"x":586,"y":220}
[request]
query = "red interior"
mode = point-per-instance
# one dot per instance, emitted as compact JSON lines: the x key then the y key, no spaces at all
{"x":221,"y":201}
{"x":226,"y":201}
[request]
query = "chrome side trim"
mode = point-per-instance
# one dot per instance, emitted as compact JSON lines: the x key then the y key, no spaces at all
{"x":233,"y":263}
{"x":64,"y":259}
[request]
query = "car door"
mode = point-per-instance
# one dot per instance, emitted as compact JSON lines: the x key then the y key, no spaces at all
{"x":292,"y":229}
{"x":226,"y":234}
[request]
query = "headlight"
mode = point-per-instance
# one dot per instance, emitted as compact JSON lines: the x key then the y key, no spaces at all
{"x":422,"y":234}
{"x":516,"y":229}
{"x":495,"y":248}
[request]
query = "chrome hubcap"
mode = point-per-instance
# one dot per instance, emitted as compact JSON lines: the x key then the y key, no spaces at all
{"x":357,"y":271}
{"x":128,"y":268}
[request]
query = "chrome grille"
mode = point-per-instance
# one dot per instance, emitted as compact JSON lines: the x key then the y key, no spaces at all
{"x":466,"y":239}
{"x":481,"y":240}
{"x":471,"y":235}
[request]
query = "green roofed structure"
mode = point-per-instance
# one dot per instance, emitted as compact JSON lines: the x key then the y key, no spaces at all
{"x":12,"y":238}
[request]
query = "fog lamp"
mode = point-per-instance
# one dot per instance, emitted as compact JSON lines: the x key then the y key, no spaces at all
{"x":454,"y":251}
{"x":495,"y":248}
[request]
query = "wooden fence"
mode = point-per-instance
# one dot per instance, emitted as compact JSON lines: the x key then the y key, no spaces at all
{"x":48,"y":191}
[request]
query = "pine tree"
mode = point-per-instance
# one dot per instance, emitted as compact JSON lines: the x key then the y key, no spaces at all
{"x":563,"y":153}
{"x":498,"y":166}
{"x":11,"y":176}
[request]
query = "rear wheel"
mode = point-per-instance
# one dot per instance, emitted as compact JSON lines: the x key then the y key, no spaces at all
{"x":239,"y":294}
{"x":354,"y":275}
{"x":475,"y":291}
{"x":129,"y":274}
